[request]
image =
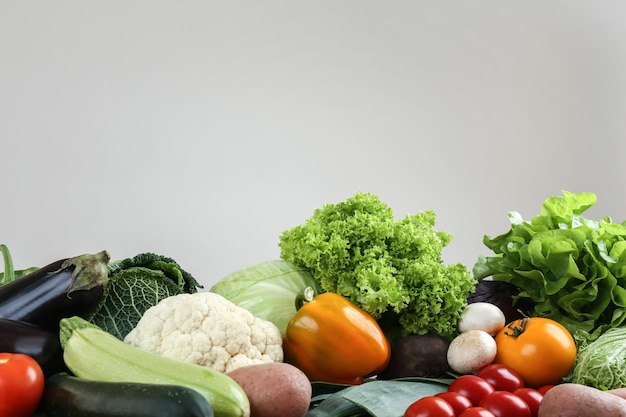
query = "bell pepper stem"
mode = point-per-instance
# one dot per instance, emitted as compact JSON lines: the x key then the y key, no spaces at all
{"x":304,"y":296}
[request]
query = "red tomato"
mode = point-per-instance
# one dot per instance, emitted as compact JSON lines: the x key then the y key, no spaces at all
{"x":502,"y":377}
{"x":430,"y":406}
{"x":532,"y":397}
{"x":505,"y":404}
{"x":545,"y":388}
{"x":477,"y":412}
{"x":21,"y":385}
{"x":473,"y":387}
{"x":458,"y":401}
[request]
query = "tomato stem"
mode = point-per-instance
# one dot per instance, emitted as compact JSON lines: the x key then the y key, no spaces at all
{"x":516,"y":329}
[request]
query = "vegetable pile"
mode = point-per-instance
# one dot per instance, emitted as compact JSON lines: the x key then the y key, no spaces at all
{"x":390,"y":268}
{"x":358,"y":317}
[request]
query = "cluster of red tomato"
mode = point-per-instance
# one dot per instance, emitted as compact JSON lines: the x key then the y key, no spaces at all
{"x":495,"y":391}
{"x":22,"y":382}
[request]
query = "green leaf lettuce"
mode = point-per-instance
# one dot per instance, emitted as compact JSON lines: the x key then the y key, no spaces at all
{"x":573,"y":269}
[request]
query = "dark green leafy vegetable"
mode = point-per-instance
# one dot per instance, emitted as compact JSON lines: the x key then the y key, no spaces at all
{"x":391,"y":269}
{"x":374,"y":398}
{"x":136,"y":284}
{"x":571,"y":269}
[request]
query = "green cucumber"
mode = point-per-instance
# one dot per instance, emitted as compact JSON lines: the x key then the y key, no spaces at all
{"x":90,"y":352}
{"x":119,"y":399}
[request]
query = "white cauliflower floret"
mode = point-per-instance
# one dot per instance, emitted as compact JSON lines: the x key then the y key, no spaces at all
{"x":207,"y":329}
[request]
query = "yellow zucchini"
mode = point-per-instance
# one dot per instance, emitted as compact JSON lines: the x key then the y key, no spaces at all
{"x":91,"y":353}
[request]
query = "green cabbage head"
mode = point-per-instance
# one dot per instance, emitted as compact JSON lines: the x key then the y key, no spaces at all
{"x":601,"y":360}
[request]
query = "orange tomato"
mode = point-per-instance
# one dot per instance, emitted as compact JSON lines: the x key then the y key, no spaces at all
{"x":541,"y":350}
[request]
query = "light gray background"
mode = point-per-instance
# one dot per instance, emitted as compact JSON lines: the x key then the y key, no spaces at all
{"x":201,"y":130}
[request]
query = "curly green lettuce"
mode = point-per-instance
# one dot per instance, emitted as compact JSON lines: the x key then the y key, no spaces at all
{"x":571,"y":268}
{"x":136,"y":284}
{"x":392,"y":269}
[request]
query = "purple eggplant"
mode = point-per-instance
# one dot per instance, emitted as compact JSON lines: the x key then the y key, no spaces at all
{"x":42,"y":345}
{"x":67,"y":287}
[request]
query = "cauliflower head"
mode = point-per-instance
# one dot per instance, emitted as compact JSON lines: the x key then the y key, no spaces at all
{"x":206,"y":329}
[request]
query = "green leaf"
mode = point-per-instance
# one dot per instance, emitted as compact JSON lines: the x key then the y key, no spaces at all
{"x":571,"y":267}
{"x":378,"y":398}
{"x":168,"y":266}
{"x":129,"y":294}
{"x":136,"y":284}
{"x":267,"y":289}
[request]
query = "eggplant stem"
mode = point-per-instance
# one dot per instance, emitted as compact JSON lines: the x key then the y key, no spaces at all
{"x":9,"y":271}
{"x":90,"y":270}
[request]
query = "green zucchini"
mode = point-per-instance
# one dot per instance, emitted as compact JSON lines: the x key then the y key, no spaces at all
{"x":70,"y":396}
{"x":91,"y":353}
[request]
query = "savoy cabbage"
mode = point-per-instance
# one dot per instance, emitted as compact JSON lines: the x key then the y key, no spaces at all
{"x":601,"y":359}
{"x":136,"y":284}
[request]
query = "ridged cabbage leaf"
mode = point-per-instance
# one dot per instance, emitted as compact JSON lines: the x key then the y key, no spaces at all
{"x":136,"y":284}
{"x":268,"y":289}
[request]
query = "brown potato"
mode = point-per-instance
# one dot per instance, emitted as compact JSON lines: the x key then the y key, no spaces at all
{"x":575,"y":400}
{"x":274,"y":389}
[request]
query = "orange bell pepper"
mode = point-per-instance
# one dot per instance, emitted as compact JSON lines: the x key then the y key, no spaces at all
{"x":332,"y":340}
